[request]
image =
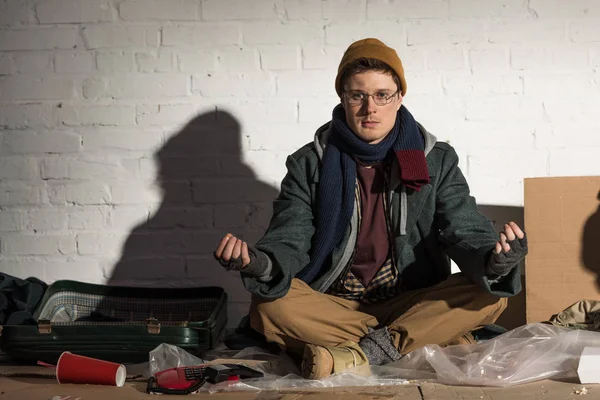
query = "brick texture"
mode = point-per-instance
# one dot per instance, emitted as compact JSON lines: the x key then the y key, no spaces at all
{"x":135,"y":133}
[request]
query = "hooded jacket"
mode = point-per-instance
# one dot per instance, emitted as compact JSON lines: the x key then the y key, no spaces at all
{"x":429,"y":227}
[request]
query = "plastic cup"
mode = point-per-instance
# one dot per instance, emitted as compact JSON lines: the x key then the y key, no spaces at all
{"x":73,"y":368}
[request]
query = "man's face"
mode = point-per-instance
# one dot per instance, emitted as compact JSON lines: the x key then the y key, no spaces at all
{"x":369,"y":121}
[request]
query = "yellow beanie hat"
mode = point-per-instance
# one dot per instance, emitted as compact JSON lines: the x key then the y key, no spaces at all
{"x":370,"y":48}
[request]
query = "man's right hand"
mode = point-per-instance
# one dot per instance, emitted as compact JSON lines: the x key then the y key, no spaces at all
{"x":233,"y":253}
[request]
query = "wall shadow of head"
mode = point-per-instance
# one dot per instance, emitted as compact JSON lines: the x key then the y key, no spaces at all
{"x":590,"y":253}
{"x":207,"y":191}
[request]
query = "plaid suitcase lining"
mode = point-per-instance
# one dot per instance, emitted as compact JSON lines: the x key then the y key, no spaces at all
{"x":72,"y":308}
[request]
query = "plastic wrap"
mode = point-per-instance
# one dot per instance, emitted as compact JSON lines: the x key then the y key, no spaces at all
{"x":279,"y":370}
{"x":355,"y":377}
{"x":525,"y":354}
{"x":167,"y":356}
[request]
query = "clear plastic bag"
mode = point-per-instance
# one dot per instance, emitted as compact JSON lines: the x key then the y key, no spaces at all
{"x":279,"y":370}
{"x":355,"y":377}
{"x":525,"y":354}
{"x":166,"y":356}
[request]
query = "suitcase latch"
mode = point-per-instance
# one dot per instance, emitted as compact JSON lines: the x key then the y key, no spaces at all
{"x":44,"y":326}
{"x":153,"y":325}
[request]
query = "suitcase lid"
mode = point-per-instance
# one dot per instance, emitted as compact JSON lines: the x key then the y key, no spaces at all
{"x":69,"y":303}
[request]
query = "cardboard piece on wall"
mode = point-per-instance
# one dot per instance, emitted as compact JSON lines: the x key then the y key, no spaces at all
{"x":562,"y":221}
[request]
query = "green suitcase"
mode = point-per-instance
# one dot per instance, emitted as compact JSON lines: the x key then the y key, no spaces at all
{"x":120,"y":324}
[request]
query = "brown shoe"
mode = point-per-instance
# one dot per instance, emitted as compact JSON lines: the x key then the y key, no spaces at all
{"x":317,"y":362}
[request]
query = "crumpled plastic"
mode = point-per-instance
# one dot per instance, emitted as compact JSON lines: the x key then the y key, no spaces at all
{"x":525,"y":354}
{"x":280,"y":371}
{"x":166,"y":356}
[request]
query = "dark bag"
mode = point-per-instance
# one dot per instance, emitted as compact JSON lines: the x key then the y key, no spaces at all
{"x":19,"y":299}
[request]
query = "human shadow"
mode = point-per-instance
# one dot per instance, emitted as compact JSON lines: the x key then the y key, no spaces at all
{"x":207,"y":191}
{"x":590,"y":256}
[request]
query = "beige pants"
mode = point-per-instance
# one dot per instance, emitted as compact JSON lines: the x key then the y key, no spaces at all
{"x":441,"y":314}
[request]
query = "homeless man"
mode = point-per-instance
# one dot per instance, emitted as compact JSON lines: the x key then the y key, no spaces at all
{"x":354,"y":268}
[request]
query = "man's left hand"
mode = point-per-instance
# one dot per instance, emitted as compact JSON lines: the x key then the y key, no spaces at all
{"x":510,"y":250}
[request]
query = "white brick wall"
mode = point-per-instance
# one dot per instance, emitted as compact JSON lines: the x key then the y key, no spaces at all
{"x":134,"y":133}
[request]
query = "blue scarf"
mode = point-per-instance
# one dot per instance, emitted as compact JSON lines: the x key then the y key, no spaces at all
{"x":335,"y":196}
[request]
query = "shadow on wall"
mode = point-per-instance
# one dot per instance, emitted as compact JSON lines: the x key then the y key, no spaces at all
{"x":207,"y":192}
{"x":514,"y":315}
{"x":590,"y":255}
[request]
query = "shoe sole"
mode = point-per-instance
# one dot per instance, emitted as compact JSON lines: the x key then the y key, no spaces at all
{"x":317,"y":362}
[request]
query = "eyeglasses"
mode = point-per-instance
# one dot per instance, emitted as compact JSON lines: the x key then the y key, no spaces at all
{"x":356,"y":97}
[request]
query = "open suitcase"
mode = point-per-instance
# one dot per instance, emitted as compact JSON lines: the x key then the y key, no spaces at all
{"x":120,"y":324}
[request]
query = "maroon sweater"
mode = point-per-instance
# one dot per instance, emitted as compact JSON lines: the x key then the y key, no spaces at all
{"x":372,"y":247}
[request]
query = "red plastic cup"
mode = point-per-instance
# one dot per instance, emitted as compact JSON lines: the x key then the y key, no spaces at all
{"x":72,"y":368}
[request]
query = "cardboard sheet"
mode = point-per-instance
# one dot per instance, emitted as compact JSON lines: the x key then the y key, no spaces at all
{"x":45,"y":389}
{"x":562,"y":221}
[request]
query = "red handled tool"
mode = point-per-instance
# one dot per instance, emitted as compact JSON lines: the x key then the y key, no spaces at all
{"x":186,"y":380}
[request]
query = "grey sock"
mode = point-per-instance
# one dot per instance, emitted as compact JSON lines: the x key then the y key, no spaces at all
{"x":379,"y":348}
